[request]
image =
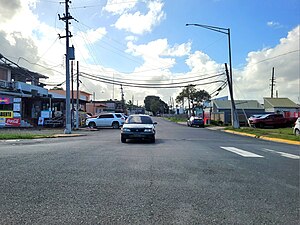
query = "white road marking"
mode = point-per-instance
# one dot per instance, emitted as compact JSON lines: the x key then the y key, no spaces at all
{"x":10,"y":140}
{"x":284,"y":154}
{"x":242,"y":152}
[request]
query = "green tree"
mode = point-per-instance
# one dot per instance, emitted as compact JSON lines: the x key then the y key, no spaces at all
{"x":194,"y":96}
{"x":155,"y":105}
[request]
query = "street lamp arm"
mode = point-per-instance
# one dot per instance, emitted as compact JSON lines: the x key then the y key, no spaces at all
{"x":213,"y":28}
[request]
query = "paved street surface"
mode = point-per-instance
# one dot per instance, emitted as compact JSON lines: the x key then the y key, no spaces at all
{"x":189,"y":176}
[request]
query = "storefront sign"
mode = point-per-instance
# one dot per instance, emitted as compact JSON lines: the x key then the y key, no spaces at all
{"x":17,"y":99}
{"x":17,"y":107}
{"x":17,"y":114}
{"x":41,"y":121}
{"x":2,"y":122}
{"x":4,"y":101}
{"x":6,"y":114}
{"x":13,"y":122}
{"x":46,"y":114}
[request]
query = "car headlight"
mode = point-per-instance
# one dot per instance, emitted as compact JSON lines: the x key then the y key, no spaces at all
{"x":148,"y":130}
{"x":126,"y":130}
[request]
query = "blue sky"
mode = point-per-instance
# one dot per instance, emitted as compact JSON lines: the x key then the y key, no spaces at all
{"x":146,"y":40}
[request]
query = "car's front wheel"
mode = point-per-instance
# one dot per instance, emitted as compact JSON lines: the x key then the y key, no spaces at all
{"x":123,"y":140}
{"x":297,"y":132}
{"x":115,"y":125}
{"x":92,"y":125}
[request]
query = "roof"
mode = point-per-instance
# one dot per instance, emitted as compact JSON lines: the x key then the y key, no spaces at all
{"x":23,"y":72}
{"x":279,"y":103}
{"x":239,"y":104}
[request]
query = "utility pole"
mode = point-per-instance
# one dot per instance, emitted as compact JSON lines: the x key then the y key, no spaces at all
{"x":122,"y":99}
{"x":234,"y":117}
{"x":66,"y":17}
{"x":77,"y":98}
{"x":272,"y":82}
{"x":94,"y":97}
{"x":113,"y":94}
{"x":188,"y":90}
{"x":72,"y":94}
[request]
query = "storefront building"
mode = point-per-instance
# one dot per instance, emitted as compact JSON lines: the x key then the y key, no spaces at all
{"x":22,"y":97}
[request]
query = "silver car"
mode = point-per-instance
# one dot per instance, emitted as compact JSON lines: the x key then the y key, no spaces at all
{"x":139,"y":127}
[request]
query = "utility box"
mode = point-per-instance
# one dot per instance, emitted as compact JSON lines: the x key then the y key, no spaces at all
{"x":71,"y":53}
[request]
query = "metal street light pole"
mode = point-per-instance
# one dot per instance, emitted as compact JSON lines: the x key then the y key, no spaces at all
{"x":234,"y":117}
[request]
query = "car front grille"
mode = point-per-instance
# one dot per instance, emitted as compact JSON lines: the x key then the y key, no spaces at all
{"x":137,"y":129}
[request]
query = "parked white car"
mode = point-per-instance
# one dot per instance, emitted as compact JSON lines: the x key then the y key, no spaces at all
{"x":114,"y":120}
{"x":297,"y":127}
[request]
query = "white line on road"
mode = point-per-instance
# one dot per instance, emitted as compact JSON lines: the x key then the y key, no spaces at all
{"x":284,"y":154}
{"x":242,"y":152}
{"x":12,"y":140}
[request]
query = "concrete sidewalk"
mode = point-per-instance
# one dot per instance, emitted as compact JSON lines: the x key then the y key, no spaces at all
{"x":50,"y":132}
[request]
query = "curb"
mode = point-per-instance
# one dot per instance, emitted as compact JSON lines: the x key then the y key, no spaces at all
{"x":264,"y":138}
{"x":67,"y":135}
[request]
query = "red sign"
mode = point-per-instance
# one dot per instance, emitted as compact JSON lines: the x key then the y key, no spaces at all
{"x":13,"y":122}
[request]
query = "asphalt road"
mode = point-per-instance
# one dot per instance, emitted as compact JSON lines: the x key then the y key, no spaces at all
{"x":189,"y":176}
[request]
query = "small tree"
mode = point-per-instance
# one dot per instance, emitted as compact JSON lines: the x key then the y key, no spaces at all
{"x":193,"y":95}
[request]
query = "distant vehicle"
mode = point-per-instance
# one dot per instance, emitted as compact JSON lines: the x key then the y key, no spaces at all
{"x":195,"y":121}
{"x":270,"y":120}
{"x":297,"y":127}
{"x":139,"y":127}
{"x":114,"y":120}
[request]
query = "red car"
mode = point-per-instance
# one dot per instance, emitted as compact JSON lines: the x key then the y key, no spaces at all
{"x":273,"y":120}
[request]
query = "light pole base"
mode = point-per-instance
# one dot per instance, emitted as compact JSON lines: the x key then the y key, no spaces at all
{"x":68,"y":129}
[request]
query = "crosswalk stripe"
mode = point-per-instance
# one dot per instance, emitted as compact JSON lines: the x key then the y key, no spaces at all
{"x":242,"y":152}
{"x":284,"y":154}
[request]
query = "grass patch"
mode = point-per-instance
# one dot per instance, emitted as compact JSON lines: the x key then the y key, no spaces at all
{"x":283,"y":133}
{"x":6,"y":136}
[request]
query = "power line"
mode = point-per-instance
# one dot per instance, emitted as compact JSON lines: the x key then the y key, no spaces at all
{"x":123,"y":82}
{"x":149,"y":85}
{"x":277,"y":56}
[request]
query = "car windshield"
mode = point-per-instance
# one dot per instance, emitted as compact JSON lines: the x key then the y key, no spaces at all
{"x":139,"y":120}
{"x":264,"y":116}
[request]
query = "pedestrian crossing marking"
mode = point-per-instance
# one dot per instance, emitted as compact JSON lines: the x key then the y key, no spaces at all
{"x":284,"y":154}
{"x":242,"y":152}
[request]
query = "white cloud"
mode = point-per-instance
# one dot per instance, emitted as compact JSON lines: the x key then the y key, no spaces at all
{"x":84,"y":40}
{"x":119,"y":6}
{"x":202,"y":63}
{"x":179,"y":50}
{"x":139,"y":23}
{"x":253,"y":82}
{"x":158,"y":53}
{"x":274,"y":24}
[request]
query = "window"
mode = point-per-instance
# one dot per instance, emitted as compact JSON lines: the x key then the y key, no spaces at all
{"x":118,"y":115}
{"x":105,"y":116}
{"x":140,"y":119}
{"x":3,"y":74}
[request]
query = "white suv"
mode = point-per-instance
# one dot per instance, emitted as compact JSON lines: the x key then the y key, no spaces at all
{"x":297,"y":127}
{"x":114,"y":120}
